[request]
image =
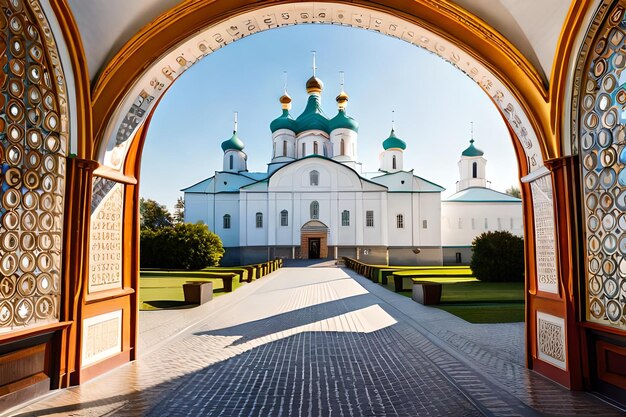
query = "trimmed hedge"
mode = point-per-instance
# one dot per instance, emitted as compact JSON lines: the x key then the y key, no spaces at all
{"x":498,"y":257}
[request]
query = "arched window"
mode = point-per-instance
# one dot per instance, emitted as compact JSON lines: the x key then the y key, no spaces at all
{"x":284,"y":218}
{"x":230,"y":161}
{"x":226,"y":221}
{"x":303,"y":149}
{"x":314,"y":177}
{"x":342,"y":147}
{"x":400,"y":221}
{"x":474,"y":170}
{"x":315,"y":149}
{"x":284,"y":148}
{"x":393,"y":162}
{"x":259,"y":220}
{"x":345,"y":218}
{"x":315,"y":210}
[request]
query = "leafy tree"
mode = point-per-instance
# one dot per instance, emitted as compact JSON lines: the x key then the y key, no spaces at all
{"x":514,"y":191}
{"x":498,"y":257}
{"x":179,"y":210}
{"x":182,"y":246}
{"x":153,"y":215}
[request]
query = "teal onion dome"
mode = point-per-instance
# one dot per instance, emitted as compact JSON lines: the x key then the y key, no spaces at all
{"x":284,"y":121}
{"x":312,"y":117}
{"x":472,"y":150}
{"x":394,"y":142}
{"x":234,"y":143}
{"x":343,"y":121}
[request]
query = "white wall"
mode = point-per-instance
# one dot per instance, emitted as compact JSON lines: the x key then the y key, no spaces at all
{"x":454,"y":234}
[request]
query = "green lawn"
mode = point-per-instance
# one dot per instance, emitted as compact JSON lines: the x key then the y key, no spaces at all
{"x":483,"y":302}
{"x":167,"y":292}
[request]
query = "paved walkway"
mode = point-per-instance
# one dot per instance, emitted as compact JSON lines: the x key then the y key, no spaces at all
{"x":315,"y":341}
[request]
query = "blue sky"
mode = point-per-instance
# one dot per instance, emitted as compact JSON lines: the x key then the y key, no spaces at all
{"x":434,"y":104}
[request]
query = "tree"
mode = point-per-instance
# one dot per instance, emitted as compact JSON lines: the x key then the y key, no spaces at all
{"x":498,"y":257}
{"x":153,"y":215}
{"x":179,"y":211}
{"x":182,"y":246}
{"x":514,"y":191}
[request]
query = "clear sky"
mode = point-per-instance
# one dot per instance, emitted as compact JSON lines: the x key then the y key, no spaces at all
{"x":434,"y":104}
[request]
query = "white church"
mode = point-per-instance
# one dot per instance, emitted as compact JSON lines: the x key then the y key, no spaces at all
{"x":314,"y":201}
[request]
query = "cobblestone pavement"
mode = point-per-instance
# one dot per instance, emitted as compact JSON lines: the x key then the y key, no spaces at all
{"x":320,"y":341}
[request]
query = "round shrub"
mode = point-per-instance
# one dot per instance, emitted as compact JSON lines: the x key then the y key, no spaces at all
{"x":182,"y":246}
{"x":498,"y":257}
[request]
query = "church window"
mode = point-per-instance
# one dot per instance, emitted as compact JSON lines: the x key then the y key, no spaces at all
{"x":400,"y":221}
{"x":512,"y":224}
{"x":230,"y":162}
{"x":314,"y":176}
{"x":315,"y":149}
{"x":342,"y":147}
{"x":315,"y":210}
{"x":369,"y":218}
{"x":458,"y":258}
{"x":460,"y":223}
{"x":499,"y":223}
{"x":284,"y":218}
{"x":259,"y":220}
{"x":424,"y":224}
{"x":393,"y":162}
{"x":474,"y":170}
{"x":226,"y":221}
{"x":284,"y":148}
{"x":303,"y":149}
{"x":345,"y":218}
{"x":486,"y":223}
{"x":473,"y":223}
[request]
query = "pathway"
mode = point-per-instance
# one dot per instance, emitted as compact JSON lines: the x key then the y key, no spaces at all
{"x":320,"y":341}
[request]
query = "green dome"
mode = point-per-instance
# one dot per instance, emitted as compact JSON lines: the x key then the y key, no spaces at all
{"x":234,"y":143}
{"x":312,"y":117}
{"x":472,"y":151}
{"x":394,"y":142}
{"x":284,"y":121}
{"x":343,"y":121}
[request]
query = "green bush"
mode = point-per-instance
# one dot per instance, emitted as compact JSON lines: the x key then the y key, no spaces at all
{"x":498,"y":257}
{"x":182,"y":246}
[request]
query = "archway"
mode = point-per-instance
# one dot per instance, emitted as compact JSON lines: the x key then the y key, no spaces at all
{"x":515,"y":88}
{"x":104,"y":178}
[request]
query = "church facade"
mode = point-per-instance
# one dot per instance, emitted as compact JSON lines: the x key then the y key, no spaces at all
{"x":314,"y":201}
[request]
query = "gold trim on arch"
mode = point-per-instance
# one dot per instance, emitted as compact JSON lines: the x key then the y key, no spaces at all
{"x":445,"y":19}
{"x":71,"y":35}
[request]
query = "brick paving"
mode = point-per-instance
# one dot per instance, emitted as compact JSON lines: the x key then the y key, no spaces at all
{"x":320,"y":341}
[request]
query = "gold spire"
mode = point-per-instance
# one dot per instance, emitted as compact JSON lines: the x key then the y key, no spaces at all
{"x":314,"y":84}
{"x":285,"y":100}
{"x":342,"y":98}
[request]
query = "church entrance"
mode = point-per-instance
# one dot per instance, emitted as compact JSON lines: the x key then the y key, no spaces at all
{"x":314,"y":240}
{"x":314,"y":248}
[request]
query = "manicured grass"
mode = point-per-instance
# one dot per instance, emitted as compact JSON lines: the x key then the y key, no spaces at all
{"x":483,"y":292}
{"x":486,"y":312}
{"x":483,"y":302}
{"x":167,"y":292}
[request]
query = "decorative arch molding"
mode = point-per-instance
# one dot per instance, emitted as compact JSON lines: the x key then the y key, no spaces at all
{"x":191,"y":31}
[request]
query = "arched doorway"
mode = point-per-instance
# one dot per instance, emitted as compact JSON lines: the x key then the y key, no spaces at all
{"x":314,"y":240}
{"x":99,"y":291}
